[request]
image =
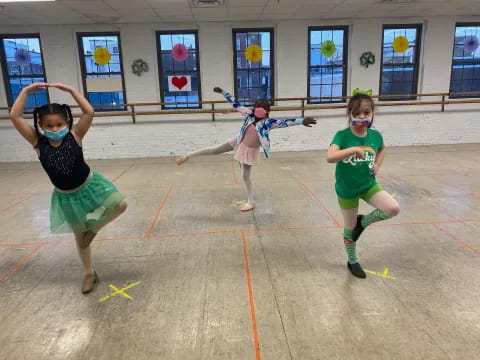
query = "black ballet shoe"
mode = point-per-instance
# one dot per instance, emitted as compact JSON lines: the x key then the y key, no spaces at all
{"x":357,"y":270}
{"x":358,"y":228}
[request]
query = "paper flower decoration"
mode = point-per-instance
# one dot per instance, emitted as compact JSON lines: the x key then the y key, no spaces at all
{"x":367,"y":59}
{"x":102,"y":56}
{"x":179,"y":52}
{"x":139,"y":66}
{"x":328,"y":48}
{"x":254,"y":53}
{"x":400,"y":44}
{"x":470,"y":44}
{"x":22,"y":57}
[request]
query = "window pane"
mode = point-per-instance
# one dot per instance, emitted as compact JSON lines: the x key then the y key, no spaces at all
{"x":102,"y":65}
{"x":465,"y":75}
{"x":327,"y":71}
{"x":170,"y":47}
{"x":399,"y":68}
{"x":253,"y":76}
{"x":23,"y":64}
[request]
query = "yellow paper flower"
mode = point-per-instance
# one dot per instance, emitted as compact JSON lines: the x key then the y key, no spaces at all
{"x":400,"y":44}
{"x":102,"y":56}
{"x":253,"y":53}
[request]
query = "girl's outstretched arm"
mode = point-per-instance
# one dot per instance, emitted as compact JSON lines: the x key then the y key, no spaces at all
{"x":81,"y":128}
{"x":271,"y":123}
{"x":236,"y":105}
{"x":18,"y":108}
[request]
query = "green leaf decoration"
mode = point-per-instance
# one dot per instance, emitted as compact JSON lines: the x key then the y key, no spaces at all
{"x":367,"y":59}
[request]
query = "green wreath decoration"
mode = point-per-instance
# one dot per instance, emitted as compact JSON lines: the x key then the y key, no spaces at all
{"x":139,"y":66}
{"x":367,"y":59}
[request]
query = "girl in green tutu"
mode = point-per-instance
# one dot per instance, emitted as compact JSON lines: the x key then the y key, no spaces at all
{"x":82,"y":201}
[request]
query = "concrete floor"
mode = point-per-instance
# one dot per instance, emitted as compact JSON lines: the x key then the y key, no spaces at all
{"x":219,"y":284}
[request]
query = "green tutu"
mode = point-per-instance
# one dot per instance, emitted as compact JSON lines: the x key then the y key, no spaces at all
{"x":86,"y":208}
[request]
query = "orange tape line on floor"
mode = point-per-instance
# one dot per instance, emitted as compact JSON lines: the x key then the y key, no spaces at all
{"x":155,"y":219}
{"x":315,"y":197}
{"x":468,"y":246}
{"x":19,"y":264}
{"x":17,"y":203}
{"x":251,"y":300}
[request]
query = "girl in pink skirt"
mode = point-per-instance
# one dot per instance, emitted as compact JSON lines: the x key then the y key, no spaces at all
{"x":254,"y":135}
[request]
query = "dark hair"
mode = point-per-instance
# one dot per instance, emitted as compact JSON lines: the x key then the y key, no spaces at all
{"x":356,"y":101}
{"x":49,"y":109}
{"x":264,"y":103}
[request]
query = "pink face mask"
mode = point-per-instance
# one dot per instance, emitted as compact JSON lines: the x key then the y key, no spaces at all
{"x":260,"y":113}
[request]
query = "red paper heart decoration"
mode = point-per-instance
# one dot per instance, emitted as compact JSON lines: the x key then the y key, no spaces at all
{"x":179,"y":82}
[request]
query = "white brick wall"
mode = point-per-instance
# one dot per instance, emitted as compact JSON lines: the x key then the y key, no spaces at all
{"x":161,"y":136}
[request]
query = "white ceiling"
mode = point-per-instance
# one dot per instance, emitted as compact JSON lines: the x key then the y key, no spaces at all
{"x":157,"y":11}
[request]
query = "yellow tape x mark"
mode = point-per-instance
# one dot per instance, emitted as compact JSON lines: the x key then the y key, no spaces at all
{"x":119,"y":291}
{"x":238,"y":202}
{"x":384,"y":275}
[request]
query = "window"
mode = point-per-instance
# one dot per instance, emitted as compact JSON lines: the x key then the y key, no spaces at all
{"x":22,"y":65}
{"x":253,"y":64}
{"x":465,"y":76}
{"x":179,"y":69}
{"x":399,"y":69}
{"x":102,"y":72}
{"x":327,"y":75}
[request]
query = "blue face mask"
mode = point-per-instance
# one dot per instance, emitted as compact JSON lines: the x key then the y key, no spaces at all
{"x":56,"y":135}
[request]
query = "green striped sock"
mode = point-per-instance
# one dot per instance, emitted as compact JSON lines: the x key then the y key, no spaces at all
{"x":350,"y":246}
{"x":374,"y":216}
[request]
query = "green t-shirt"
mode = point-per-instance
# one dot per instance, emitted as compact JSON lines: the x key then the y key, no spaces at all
{"x":353,"y":175}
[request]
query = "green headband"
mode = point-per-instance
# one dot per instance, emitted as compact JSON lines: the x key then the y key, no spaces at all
{"x":357,"y":91}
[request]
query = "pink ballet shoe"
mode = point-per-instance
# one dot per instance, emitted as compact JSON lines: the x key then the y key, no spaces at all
{"x":180,"y":160}
{"x":247,"y":207}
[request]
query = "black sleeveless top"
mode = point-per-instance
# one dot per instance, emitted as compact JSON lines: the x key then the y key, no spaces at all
{"x":64,"y":164}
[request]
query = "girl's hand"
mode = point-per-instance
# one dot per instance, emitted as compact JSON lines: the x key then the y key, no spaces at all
{"x":218,"y":89}
{"x":61,"y":86}
{"x":359,"y":153}
{"x":308,"y":121}
{"x":35,"y":87}
{"x":375,"y":170}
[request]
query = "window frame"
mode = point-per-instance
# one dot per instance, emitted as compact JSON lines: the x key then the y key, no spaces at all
{"x":81,"y":53}
{"x":450,"y":96}
{"x":161,"y":72}
{"x":271,"y":30}
{"x":416,"y":63}
{"x":346,"y":29}
{"x":6,"y":76}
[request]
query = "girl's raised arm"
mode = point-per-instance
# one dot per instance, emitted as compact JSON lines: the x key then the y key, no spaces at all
{"x":18,"y":108}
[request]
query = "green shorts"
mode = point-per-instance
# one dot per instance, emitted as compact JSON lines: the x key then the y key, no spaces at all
{"x":347,"y":204}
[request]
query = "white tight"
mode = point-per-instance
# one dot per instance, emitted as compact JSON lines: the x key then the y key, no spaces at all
{"x":211,"y":151}
{"x":247,"y":180}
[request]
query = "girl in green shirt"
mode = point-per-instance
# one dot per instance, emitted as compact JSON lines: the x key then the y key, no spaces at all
{"x":358,"y":152}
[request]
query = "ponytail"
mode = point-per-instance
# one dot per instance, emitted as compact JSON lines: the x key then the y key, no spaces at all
{"x":69,"y":116}
{"x":35,"y":120}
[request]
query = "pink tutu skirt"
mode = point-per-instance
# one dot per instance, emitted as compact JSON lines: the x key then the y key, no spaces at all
{"x":246,"y":155}
{"x":248,"y":151}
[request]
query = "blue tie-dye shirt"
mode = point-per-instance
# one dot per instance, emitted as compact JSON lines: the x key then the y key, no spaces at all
{"x":263,"y":126}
